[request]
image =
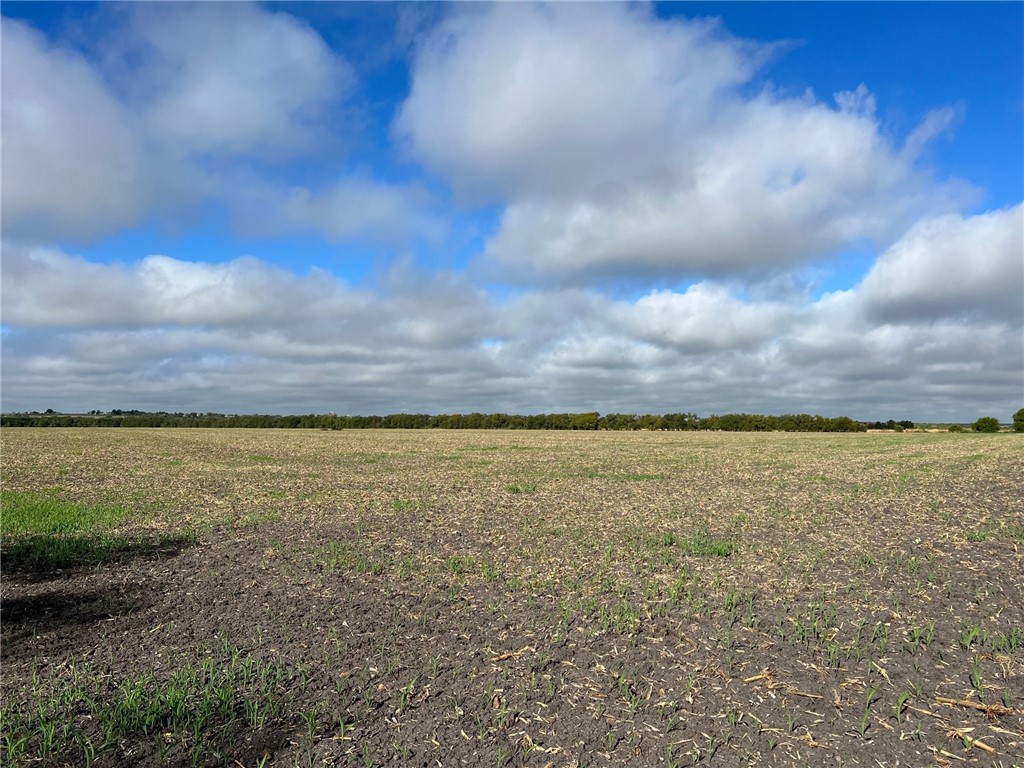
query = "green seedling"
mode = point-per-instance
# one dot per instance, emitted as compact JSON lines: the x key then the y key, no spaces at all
{"x":405,"y":694}
{"x":901,"y":706}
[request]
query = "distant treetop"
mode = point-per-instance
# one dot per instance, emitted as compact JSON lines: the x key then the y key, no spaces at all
{"x":729,"y":422}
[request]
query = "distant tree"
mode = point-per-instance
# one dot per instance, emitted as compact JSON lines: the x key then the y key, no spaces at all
{"x":711,"y":423}
{"x":557,"y":421}
{"x":495,"y":421}
{"x":844,"y":424}
{"x":955,"y":428}
{"x":618,"y":421}
{"x":987,"y":424}
{"x":732,"y":422}
{"x":906,"y":424}
{"x":584,"y":420}
{"x":681,"y":420}
{"x":1018,"y":421}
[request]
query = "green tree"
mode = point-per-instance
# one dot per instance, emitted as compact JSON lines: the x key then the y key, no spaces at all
{"x":584,"y":420}
{"x":1018,"y":421}
{"x":987,"y":424}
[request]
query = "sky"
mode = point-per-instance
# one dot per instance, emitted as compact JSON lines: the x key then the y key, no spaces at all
{"x":371,"y":208}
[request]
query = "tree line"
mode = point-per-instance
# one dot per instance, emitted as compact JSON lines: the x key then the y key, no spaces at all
{"x":729,"y":422}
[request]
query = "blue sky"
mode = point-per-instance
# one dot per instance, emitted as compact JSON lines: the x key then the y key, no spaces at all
{"x":371,"y":208}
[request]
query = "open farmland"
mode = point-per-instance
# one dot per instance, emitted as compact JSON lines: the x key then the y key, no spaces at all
{"x":447,"y":598}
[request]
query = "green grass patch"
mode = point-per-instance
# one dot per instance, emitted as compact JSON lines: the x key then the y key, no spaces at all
{"x":521,"y":487}
{"x":982,"y":534}
{"x":198,"y":715}
{"x":257,"y":518}
{"x":351,"y":557}
{"x":700,"y":543}
{"x":706,"y":545}
{"x":41,"y":531}
{"x":1007,"y":642}
{"x":45,"y":513}
{"x":460,"y":565}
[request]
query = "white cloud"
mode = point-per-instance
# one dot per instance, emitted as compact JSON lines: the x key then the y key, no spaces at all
{"x":949,"y":266}
{"x":244,"y":336}
{"x":781,"y":183}
{"x":859,"y":102}
{"x":520,"y":100}
{"x":191,"y":334}
{"x":935,"y":328}
{"x":936,"y":123}
{"x":624,"y":145}
{"x":43,"y":287}
{"x":705,"y":317}
{"x":355,"y":207}
{"x":184,"y":104}
{"x":243,"y":305}
{"x":941,"y":369}
{"x":230,"y":77}
{"x":73,"y":160}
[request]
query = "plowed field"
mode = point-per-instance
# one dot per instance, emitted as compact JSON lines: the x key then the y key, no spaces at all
{"x":447,"y":598}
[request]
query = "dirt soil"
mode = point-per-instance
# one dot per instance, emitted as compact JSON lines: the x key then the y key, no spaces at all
{"x":542,"y":599}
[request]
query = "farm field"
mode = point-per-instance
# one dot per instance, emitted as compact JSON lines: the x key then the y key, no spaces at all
{"x":487,"y":598}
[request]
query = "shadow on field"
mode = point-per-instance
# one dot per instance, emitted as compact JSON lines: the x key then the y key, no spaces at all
{"x":47,"y":556}
{"x":52,"y":609}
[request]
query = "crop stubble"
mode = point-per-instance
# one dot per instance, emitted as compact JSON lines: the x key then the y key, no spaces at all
{"x":538,"y":598}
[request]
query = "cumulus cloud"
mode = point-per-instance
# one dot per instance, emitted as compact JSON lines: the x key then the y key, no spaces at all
{"x":517,"y":101}
{"x":705,"y":317}
{"x":247,"y":301}
{"x":939,"y":319}
{"x":784,"y":183}
{"x":942,"y":369}
{"x":167,"y":333}
{"x":949,"y":266}
{"x":228,"y":77}
{"x":185,"y":104}
{"x":44,"y":287}
{"x":73,"y":159}
{"x":624,"y":144}
{"x":355,"y":207}
{"x":245,"y":336}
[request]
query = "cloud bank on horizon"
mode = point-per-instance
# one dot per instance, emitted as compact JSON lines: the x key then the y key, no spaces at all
{"x":519,"y":208}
